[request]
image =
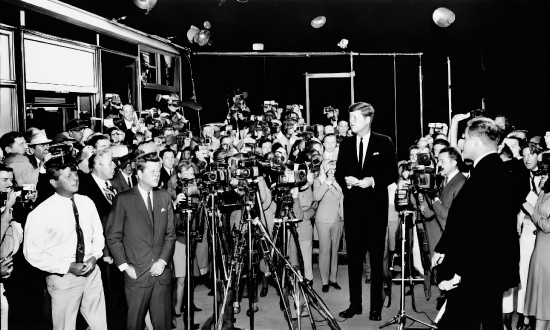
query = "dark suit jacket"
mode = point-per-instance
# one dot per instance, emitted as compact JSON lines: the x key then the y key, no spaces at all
{"x":88,"y":187}
{"x":380,"y":164}
{"x":120,"y":183}
{"x":164,"y":177}
{"x":133,"y":239}
{"x":480,"y":241}
{"x":441,"y":209}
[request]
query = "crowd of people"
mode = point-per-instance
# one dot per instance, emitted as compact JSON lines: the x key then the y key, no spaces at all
{"x":93,"y":222}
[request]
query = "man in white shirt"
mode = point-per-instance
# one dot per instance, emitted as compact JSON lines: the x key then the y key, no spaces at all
{"x":64,"y":238}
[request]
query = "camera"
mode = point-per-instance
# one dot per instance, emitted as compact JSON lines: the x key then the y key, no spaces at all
{"x":21,"y":193}
{"x":60,"y":150}
{"x":207,"y":140}
{"x":190,"y":189}
{"x":422,"y":174}
{"x":289,"y":178}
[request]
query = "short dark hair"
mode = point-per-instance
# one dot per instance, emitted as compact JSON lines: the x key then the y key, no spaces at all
{"x":442,"y":142}
{"x":454,"y":154}
{"x":55,"y":166}
{"x":146,"y":158}
{"x":8,"y":139}
{"x":163,"y":151}
{"x":414,"y":146}
{"x":95,"y":139}
{"x":4,"y":168}
{"x":534,"y":148}
{"x":484,"y":128}
{"x":366,"y":109}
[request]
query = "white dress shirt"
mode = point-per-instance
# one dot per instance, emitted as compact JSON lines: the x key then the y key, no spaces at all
{"x":451,"y":176}
{"x":169,"y":171}
{"x":102,"y":184}
{"x":40,"y":165}
{"x":128,"y":124}
{"x":365,"y":139}
{"x":50,"y":234}
{"x":126,"y":178}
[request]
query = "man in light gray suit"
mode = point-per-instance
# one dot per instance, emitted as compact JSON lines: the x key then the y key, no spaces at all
{"x":329,"y":222}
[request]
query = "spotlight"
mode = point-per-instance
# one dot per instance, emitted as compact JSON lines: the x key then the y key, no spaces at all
{"x":443,"y":17}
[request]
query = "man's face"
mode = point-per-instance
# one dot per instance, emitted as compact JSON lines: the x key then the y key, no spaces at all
{"x":500,"y":122}
{"x":266,"y":148}
{"x":413,"y":153}
{"x":105,"y":167}
{"x":6,"y":181}
{"x":128,"y":112}
{"x":40,"y":150}
{"x":168,"y":132}
{"x":343,"y":127}
{"x":320,"y":129}
{"x":102,"y":144}
{"x":187,"y":154}
{"x":530,"y":160}
{"x":437,"y":149}
{"x":67,"y":182}
{"x":330,"y":143}
{"x":188,"y":173}
{"x":78,"y":135}
{"x":19,"y":146}
{"x":168,"y":160}
{"x":358,"y":122}
{"x":329,"y":130}
{"x":117,"y":136}
{"x":447,"y":164}
{"x":150,"y":175}
{"x":318,"y":147}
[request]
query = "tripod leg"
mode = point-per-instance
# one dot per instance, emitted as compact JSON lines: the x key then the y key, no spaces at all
{"x":306,"y":303}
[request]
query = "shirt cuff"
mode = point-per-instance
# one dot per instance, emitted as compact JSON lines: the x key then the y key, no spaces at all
{"x":123,"y":267}
{"x":164,"y":262}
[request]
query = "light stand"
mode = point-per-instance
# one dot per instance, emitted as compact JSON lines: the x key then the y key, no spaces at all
{"x":401,"y":316}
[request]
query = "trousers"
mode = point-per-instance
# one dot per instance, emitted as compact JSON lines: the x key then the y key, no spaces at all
{"x":329,"y":239}
{"x":72,"y":293}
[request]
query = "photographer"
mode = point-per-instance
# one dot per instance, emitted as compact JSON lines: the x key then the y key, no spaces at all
{"x":436,"y":208}
{"x":11,"y":235}
{"x":329,"y":222}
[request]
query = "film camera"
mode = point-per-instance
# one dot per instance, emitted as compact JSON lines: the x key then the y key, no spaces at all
{"x":331,"y":112}
{"x":478,"y":113}
{"x":60,"y":150}
{"x":422,"y":174}
{"x":22,"y":194}
{"x":193,"y":193}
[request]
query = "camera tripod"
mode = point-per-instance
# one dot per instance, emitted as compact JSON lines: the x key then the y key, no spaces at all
{"x":401,"y":317}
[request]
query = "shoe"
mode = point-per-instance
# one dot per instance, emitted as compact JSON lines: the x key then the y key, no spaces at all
{"x":375,"y":316}
{"x":325,"y":288}
{"x":250,"y":312}
{"x":177,"y":315}
{"x":335,"y":285}
{"x":263,"y":293}
{"x":174,"y":323}
{"x":367,"y":280}
{"x":351,"y":312}
{"x":196,"y":309}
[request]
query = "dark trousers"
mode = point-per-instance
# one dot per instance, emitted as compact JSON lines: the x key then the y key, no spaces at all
{"x":472,"y":307}
{"x":362,"y":238}
{"x":156,"y":298}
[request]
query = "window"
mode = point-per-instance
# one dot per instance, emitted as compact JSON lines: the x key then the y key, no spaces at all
{"x":159,"y":70}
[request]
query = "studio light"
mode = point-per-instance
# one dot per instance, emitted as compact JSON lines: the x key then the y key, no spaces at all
{"x":145,"y":4}
{"x":443,"y":17}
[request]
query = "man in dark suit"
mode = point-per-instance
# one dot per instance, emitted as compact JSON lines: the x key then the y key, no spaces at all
{"x":140,"y":235}
{"x":98,"y":187}
{"x":478,"y":254}
{"x":125,"y":178}
{"x":168,"y":159}
{"x":365,"y":167}
{"x":436,"y":210}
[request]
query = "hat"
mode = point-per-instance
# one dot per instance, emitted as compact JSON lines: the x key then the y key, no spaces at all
{"x":116,"y":99}
{"x":61,"y":137}
{"x":77,"y":124}
{"x":38,"y":137}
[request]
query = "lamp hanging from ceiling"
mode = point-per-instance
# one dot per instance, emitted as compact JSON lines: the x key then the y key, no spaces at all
{"x":443,"y":17}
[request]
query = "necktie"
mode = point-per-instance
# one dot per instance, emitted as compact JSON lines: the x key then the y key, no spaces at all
{"x":129,"y":182}
{"x":446,"y":181}
{"x":533,"y":185}
{"x":150,"y":207}
{"x":79,"y":235}
{"x":361,"y":153}
{"x":108,"y":192}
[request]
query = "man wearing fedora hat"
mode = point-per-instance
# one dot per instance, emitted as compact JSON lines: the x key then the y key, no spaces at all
{"x":76,"y":127}
{"x":39,"y":146}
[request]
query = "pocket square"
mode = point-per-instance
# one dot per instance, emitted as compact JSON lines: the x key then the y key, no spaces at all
{"x":162,"y":210}
{"x":375,"y":153}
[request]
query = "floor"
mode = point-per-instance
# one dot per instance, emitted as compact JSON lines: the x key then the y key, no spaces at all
{"x":270,"y":316}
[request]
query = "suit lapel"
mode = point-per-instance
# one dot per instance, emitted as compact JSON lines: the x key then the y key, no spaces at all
{"x":157,"y":212}
{"x":141,"y":205}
